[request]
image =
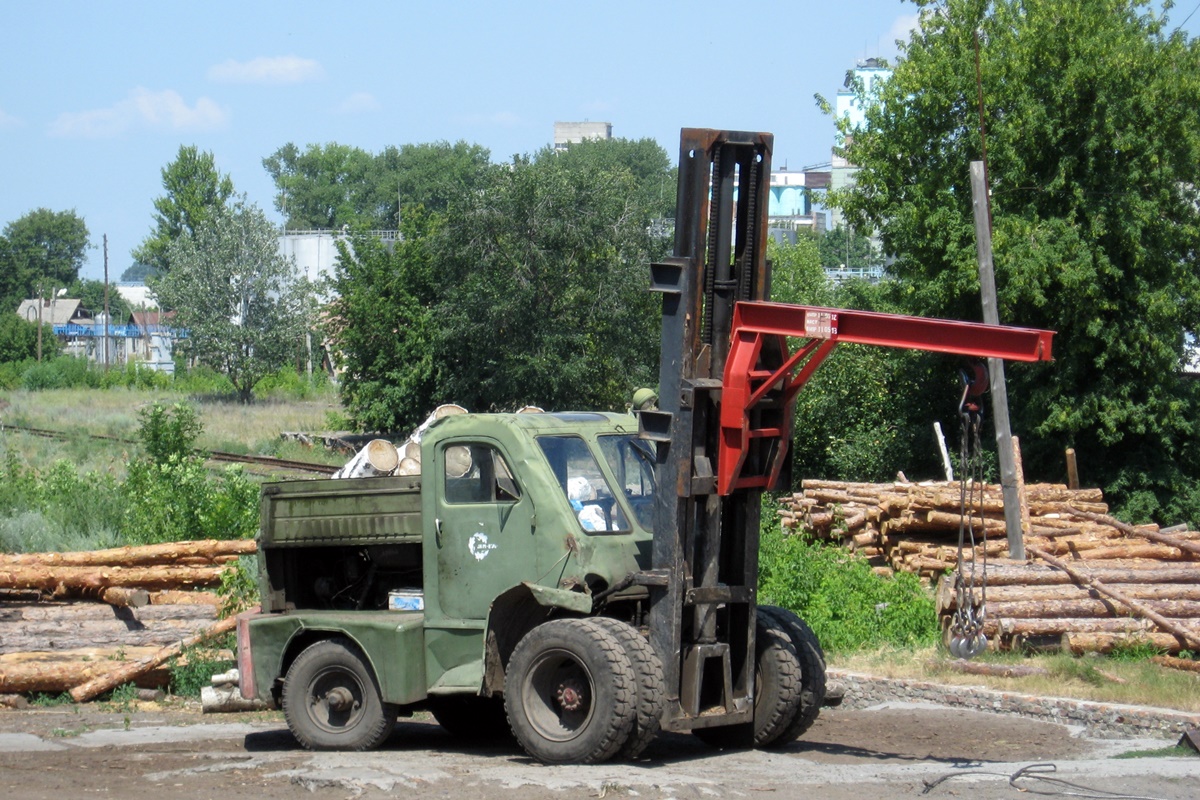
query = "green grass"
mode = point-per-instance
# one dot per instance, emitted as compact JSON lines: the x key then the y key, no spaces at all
{"x":1175,"y":751}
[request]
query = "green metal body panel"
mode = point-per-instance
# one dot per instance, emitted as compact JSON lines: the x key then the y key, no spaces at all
{"x":392,"y":641}
{"x":491,"y":514}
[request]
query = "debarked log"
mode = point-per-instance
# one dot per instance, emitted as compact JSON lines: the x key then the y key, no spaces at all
{"x":1107,"y":642}
{"x":62,"y":675}
{"x":83,"y":579}
{"x":167,"y":554}
{"x":126,"y":673}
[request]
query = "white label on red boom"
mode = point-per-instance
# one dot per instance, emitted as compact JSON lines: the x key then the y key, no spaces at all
{"x":820,"y":324}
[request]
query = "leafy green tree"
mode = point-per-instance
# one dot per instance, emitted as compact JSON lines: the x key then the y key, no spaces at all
{"x":195,"y":190}
{"x":42,"y":250}
{"x":333,"y":185}
{"x":548,"y":300}
{"x":430,"y":175}
{"x":865,"y":413}
{"x":137,"y":272}
{"x":1092,"y":112}
{"x":18,"y":338}
{"x":384,"y":327}
{"x":323,"y":186}
{"x":842,"y":246}
{"x":90,"y":294}
{"x":646,"y":161}
{"x":243,"y":304}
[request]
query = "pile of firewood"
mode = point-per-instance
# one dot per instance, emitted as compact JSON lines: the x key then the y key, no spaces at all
{"x":78,"y":622}
{"x":1091,"y":581}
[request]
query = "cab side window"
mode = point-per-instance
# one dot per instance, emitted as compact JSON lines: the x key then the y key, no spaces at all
{"x":477,"y":473}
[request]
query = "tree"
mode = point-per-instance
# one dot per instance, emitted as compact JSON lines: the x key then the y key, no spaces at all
{"x":137,"y":272}
{"x":430,"y":175}
{"x":645,"y":160}
{"x":1092,"y":112}
{"x":40,"y":251}
{"x":91,"y":297}
{"x":323,"y":186}
{"x":547,"y":301}
{"x":333,"y":185}
{"x":18,"y":338}
{"x":195,"y":190}
{"x":842,"y":246}
{"x":243,"y":304}
{"x":384,"y":326}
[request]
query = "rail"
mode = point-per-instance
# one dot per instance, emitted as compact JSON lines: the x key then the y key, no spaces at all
{"x":214,"y":455}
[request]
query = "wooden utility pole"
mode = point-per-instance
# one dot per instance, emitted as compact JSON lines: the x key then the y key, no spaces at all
{"x":987,"y":288}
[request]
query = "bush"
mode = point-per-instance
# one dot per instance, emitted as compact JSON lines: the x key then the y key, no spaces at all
{"x":56,"y":511}
{"x":169,"y":432}
{"x":290,"y":384}
{"x":847,"y":605}
{"x":181,"y":501}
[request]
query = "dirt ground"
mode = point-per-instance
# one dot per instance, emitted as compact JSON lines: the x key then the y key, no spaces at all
{"x":891,"y":751}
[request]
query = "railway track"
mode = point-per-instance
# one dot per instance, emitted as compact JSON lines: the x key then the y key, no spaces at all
{"x":214,"y":455}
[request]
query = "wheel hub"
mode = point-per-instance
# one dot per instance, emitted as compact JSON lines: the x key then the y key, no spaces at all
{"x":339,"y":699}
{"x":570,"y":695}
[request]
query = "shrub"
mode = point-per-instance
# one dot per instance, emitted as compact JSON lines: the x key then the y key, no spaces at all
{"x":847,"y":605}
{"x":169,"y":432}
{"x":180,"y":500}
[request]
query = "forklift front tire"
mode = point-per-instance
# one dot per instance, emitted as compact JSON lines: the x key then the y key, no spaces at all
{"x":570,"y":692}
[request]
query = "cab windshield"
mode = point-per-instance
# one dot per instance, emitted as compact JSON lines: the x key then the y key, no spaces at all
{"x":631,"y":460}
{"x":584,"y":484}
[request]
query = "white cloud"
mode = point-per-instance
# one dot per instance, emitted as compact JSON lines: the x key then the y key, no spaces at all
{"x":277,"y":70}
{"x":902,"y":29}
{"x":8,"y":121}
{"x":358,"y":103}
{"x":141,"y":109}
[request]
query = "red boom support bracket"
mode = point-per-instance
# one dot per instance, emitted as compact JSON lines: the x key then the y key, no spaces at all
{"x":759,"y":388}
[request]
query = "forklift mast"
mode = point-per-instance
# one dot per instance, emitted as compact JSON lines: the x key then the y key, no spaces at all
{"x":705,"y":551}
{"x":727,"y":390}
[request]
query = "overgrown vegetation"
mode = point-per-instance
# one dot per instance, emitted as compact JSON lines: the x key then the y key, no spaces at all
{"x":847,"y":605}
{"x":166,"y":495}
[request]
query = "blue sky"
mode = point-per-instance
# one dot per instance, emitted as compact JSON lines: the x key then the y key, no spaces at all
{"x":96,"y":97}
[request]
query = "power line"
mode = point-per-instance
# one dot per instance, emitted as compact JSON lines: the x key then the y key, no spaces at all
{"x":1189,"y":16}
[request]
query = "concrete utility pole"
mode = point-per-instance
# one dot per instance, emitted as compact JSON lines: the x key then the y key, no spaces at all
{"x":987,"y":288}
{"x":106,"y":317}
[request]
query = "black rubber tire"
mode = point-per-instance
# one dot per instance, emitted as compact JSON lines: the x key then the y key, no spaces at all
{"x":776,"y":692}
{"x":335,"y":665}
{"x":812,"y":670}
{"x":470,"y":716}
{"x":570,"y":692}
{"x":648,"y":671}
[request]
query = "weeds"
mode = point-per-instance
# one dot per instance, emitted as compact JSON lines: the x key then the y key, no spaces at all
{"x":123,"y":699}
{"x":193,"y":668}
{"x":847,"y":605}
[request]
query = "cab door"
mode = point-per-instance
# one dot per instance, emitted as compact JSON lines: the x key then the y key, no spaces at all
{"x":483,"y":530}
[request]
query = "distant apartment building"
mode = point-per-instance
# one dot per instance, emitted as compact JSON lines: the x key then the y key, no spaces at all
{"x":871,"y":74}
{"x":569,"y":133}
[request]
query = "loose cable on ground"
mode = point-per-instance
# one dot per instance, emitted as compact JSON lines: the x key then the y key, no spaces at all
{"x":1042,"y":772}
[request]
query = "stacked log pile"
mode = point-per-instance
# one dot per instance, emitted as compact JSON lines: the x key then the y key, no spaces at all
{"x":74,"y":619}
{"x":1091,"y":582}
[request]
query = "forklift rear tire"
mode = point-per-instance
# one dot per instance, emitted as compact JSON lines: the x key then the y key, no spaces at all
{"x":776,"y":692}
{"x":331,"y":700}
{"x":812,"y":670}
{"x":570,"y":692}
{"x":470,"y":716}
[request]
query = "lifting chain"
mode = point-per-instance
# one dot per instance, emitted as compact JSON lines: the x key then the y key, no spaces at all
{"x":966,"y":626}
